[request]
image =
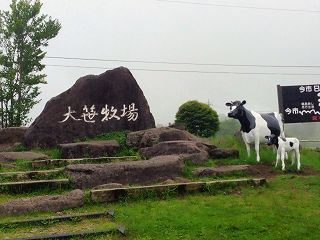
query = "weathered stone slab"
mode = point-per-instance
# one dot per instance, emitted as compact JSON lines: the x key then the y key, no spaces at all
{"x":150,"y":137}
{"x":79,"y":235}
{"x":206,"y":171}
{"x":12,"y":156}
{"x":112,"y":195}
{"x":89,"y":149}
{"x":64,"y":162}
{"x":111,"y":101}
{"x":25,"y":186}
{"x":9,"y":147}
{"x":194,"y":151}
{"x":30,"y":174}
{"x":12,"y":134}
{"x":156,"y":169}
{"x":223,"y":153}
{"x":43,"y":203}
{"x":54,"y":219}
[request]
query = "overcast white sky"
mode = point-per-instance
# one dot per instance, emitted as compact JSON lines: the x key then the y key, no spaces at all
{"x":153,"y":30}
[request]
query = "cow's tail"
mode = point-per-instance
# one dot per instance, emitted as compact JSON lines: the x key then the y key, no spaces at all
{"x":281,"y":124}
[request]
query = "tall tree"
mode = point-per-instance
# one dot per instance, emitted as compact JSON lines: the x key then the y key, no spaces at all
{"x":24,"y":32}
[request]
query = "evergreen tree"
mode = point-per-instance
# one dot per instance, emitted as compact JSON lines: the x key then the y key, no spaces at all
{"x":24,"y":32}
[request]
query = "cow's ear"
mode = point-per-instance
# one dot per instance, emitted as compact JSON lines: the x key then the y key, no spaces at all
{"x":243,"y":102}
{"x":266,"y":137}
{"x":228,"y":104}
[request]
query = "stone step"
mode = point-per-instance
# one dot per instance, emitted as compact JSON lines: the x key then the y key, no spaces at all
{"x":82,"y":235}
{"x":65,"y":162}
{"x":30,"y":174}
{"x":160,"y":168}
{"x":43,"y":203}
{"x":24,"y":186}
{"x":220,"y":170}
{"x":112,"y":195}
{"x":54,"y":219}
{"x":89,"y":148}
{"x":28,"y":155}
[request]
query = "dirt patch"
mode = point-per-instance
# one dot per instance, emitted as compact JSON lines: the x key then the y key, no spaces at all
{"x":268,"y":171}
{"x":262,"y":170}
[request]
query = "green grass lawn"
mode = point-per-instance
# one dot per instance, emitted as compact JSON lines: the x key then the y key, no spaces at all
{"x":287,"y":208}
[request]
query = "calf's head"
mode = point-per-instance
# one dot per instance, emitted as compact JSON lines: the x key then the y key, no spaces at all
{"x":272,"y":140}
{"x":236,"y":109}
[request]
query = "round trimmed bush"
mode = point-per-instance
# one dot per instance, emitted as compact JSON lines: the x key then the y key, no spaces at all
{"x":199,"y":118}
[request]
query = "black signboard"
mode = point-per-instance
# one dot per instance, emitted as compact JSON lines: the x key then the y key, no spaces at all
{"x":299,"y":103}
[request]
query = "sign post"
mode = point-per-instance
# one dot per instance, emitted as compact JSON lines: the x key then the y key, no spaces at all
{"x":299,"y":103}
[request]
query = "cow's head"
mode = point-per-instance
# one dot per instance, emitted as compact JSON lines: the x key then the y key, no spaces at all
{"x":272,"y":140}
{"x":236,"y":109}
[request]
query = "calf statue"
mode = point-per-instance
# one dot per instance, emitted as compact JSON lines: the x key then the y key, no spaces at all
{"x":255,"y":126}
{"x":285,"y":145}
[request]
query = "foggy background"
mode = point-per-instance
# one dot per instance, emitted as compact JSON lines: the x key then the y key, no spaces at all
{"x":180,"y":32}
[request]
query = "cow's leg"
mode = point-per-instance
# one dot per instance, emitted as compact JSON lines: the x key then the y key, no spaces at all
{"x":282,"y":160}
{"x":247,"y":144}
{"x":248,"y":148}
{"x":298,"y":159}
{"x":256,"y":145}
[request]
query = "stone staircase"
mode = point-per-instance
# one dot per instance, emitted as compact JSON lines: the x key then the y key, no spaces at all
{"x":75,"y":178}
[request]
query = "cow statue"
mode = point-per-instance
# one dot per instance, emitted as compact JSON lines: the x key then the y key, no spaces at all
{"x":255,"y":126}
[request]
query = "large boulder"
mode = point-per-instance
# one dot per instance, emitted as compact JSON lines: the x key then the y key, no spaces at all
{"x":95,"y":104}
{"x":53,"y":203}
{"x":191,"y":150}
{"x":145,"y":171}
{"x":89,"y":149}
{"x":150,"y":137}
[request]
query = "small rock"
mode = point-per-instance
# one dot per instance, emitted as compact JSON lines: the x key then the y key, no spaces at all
{"x":223,"y":153}
{"x":108,"y":186}
{"x":181,"y":180}
{"x":168,"y":181}
{"x":206,"y":171}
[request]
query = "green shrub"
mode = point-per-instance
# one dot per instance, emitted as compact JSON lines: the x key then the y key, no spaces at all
{"x":199,"y":118}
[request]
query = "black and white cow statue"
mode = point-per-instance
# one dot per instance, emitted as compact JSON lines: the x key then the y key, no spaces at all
{"x":255,"y":126}
{"x":285,"y":145}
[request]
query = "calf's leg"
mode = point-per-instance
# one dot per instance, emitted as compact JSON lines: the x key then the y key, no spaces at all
{"x":277,"y":159}
{"x":293,"y":157}
{"x":282,"y":160}
{"x":298,"y":158}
